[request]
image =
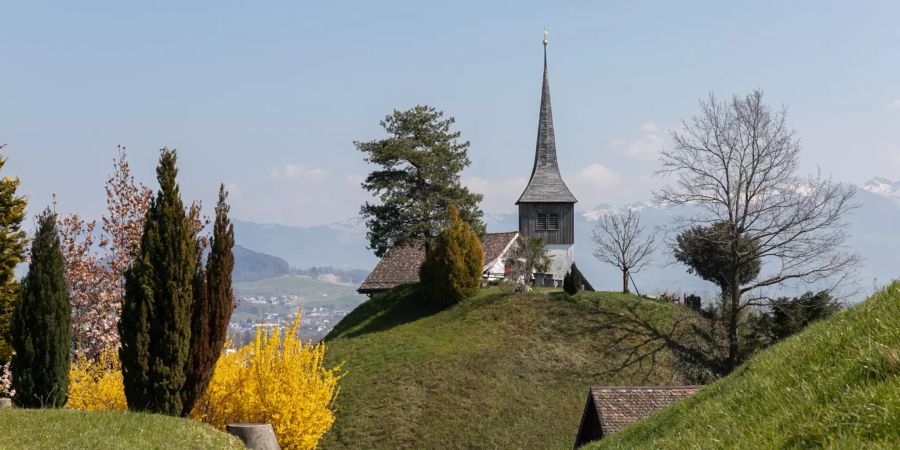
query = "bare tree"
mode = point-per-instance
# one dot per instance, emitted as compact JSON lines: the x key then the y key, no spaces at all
{"x":619,"y":241}
{"x":737,"y":162}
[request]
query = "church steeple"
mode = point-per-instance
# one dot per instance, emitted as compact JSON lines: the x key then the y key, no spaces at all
{"x":546,"y":184}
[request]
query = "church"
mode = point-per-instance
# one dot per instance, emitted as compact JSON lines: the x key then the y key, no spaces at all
{"x":546,"y":211}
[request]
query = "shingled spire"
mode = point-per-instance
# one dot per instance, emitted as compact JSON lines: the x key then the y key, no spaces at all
{"x":546,"y":184}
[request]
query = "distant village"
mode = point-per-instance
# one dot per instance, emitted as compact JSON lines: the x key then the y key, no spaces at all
{"x":316,"y":322}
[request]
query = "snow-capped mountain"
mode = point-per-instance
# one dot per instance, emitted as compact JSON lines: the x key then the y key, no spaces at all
{"x":884,"y":187}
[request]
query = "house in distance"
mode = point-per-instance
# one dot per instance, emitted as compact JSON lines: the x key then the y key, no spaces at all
{"x":546,"y":211}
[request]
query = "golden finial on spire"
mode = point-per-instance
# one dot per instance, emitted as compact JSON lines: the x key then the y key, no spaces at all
{"x":546,"y":32}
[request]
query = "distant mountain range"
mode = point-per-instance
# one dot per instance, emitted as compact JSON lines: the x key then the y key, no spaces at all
{"x":341,"y":244}
{"x":884,"y":187}
{"x":252,"y":266}
{"x":873,"y":234}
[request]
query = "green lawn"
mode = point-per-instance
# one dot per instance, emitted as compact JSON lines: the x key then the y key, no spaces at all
{"x":495,"y":371}
{"x":69,"y":429}
{"x":835,"y":385}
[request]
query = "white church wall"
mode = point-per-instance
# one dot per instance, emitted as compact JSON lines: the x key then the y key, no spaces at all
{"x":563,"y":257}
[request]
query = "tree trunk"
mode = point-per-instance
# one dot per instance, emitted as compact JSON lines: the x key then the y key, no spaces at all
{"x":735,"y":300}
{"x":625,"y":281}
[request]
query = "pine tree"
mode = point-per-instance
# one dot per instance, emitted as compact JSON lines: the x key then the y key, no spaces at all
{"x":211,"y":309}
{"x":420,"y":163}
{"x":12,"y":251}
{"x":41,"y":321}
{"x":155,"y":325}
{"x":453,"y":262}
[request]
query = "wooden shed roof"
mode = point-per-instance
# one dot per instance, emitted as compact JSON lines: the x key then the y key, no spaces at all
{"x":612,"y":408}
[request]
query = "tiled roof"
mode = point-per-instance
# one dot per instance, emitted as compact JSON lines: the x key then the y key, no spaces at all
{"x":401,"y":264}
{"x":495,"y":243}
{"x":546,"y":184}
{"x":610,"y":409}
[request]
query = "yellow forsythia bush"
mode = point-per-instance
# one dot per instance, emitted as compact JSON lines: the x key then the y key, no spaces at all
{"x":277,"y":379}
{"x":96,"y":384}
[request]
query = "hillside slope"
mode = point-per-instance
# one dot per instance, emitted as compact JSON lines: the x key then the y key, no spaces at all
{"x":835,"y":385}
{"x":66,"y":428}
{"x":251,"y":266}
{"x":495,"y":371}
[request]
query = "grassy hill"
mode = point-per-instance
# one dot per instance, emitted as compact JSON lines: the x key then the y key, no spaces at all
{"x":835,"y":385}
{"x":62,"y":428}
{"x":495,"y":371}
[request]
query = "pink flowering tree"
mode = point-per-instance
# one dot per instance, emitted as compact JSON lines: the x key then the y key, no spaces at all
{"x":95,"y":261}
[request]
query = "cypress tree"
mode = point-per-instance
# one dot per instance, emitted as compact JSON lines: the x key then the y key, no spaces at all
{"x":41,"y":321}
{"x":572,"y":281}
{"x":211,"y":309}
{"x":155,"y":325}
{"x":12,"y":251}
{"x":453,"y":262}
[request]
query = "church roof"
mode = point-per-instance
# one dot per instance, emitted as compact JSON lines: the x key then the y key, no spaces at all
{"x":401,"y":264}
{"x":546,"y":184}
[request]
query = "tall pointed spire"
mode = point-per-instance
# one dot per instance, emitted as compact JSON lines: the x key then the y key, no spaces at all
{"x":546,"y":184}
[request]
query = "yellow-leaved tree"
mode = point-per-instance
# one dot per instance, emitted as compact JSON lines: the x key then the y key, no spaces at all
{"x":95,"y":384}
{"x":277,"y":379}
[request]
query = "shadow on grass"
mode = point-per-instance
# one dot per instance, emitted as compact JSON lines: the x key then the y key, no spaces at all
{"x":641,"y":339}
{"x":398,"y":306}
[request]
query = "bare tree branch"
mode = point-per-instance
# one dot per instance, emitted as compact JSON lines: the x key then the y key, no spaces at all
{"x":619,"y":241}
{"x":736,"y":163}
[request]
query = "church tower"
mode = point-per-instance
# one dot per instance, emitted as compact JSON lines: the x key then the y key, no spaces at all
{"x":547,"y":207}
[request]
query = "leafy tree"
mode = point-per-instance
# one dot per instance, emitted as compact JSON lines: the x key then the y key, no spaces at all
{"x":155,"y":326}
{"x":40,"y":367}
{"x":737,"y":162}
{"x":96,"y":262}
{"x":213,"y":303}
{"x":453,"y":263}
{"x":790,"y":315}
{"x":572,"y":281}
{"x":707,"y":253}
{"x":12,"y":252}
{"x":619,"y":241}
{"x":417,"y":180}
{"x":530,"y":255}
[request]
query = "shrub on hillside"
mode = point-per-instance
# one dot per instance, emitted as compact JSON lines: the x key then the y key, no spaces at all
{"x":572,"y":282}
{"x":95,"y":384}
{"x":453,"y":263}
{"x":6,"y":389}
{"x":277,"y":379}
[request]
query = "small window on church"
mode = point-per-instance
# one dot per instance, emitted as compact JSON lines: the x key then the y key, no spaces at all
{"x":542,"y":221}
{"x":554,"y":222}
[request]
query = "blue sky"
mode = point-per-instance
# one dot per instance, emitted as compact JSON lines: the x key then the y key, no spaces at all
{"x":268,"y":98}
